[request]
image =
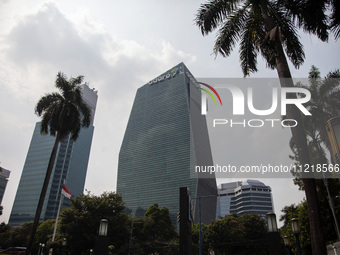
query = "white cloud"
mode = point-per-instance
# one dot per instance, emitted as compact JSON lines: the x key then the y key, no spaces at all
{"x":47,"y":41}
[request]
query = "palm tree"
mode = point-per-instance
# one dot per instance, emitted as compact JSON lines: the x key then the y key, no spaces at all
{"x":315,"y":16}
{"x":265,"y":27}
{"x":63,"y":114}
{"x":324,"y":103}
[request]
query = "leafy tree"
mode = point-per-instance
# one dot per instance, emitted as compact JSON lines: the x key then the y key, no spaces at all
{"x":196,"y":231}
{"x":17,"y":236}
{"x":44,"y":232}
{"x":299,"y":212}
{"x":80,"y":223}
{"x":11,"y":237}
{"x":63,"y":114}
{"x":255,"y":226}
{"x":162,"y":229}
{"x":324,"y":104}
{"x":154,"y":232}
{"x":5,"y":232}
{"x":266,"y":27}
{"x":235,"y":234}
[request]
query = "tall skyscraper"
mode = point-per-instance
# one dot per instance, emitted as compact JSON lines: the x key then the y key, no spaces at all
{"x":4,"y":174}
{"x":250,"y":196}
{"x":70,"y":165}
{"x":166,"y":137}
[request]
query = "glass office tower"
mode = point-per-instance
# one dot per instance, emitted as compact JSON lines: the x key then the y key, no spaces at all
{"x":166,"y":137}
{"x":70,"y":165}
{"x":4,"y":175}
{"x":250,"y":196}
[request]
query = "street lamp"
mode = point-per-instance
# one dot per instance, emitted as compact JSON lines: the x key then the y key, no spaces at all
{"x":63,"y":244}
{"x":333,"y":132}
{"x":132,"y":223}
{"x":41,"y":247}
{"x":287,"y":245}
{"x":273,"y":236}
{"x":271,"y":222}
{"x":102,"y":240}
{"x":103,"y":227}
{"x":296,"y":231}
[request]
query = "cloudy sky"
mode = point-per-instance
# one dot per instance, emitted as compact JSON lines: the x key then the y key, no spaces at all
{"x":118,"y":46}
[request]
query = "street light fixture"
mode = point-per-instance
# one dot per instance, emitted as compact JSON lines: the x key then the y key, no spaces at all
{"x":295,"y":226}
{"x":333,"y":132}
{"x":296,"y":231}
{"x":287,"y":245}
{"x":103,"y":227}
{"x":286,"y":241}
{"x":273,"y":236}
{"x":271,"y":222}
{"x":41,"y":247}
{"x":102,"y":240}
{"x":63,"y":244}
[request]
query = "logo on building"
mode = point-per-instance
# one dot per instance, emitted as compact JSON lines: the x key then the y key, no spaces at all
{"x":165,"y":76}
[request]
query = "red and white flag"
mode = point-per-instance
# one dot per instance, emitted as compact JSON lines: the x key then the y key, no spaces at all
{"x":65,"y":191}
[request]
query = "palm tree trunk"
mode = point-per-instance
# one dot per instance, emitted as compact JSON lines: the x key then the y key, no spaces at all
{"x":299,"y":138}
{"x":42,"y":195}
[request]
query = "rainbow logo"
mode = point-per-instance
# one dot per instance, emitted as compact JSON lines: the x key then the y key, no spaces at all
{"x":209,"y":93}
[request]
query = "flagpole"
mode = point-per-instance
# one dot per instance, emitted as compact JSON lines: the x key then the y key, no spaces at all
{"x":56,"y":220}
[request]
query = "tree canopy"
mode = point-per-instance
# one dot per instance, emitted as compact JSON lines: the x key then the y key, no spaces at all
{"x":234,"y":234}
{"x":80,"y":223}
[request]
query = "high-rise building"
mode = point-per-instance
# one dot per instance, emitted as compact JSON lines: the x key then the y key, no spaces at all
{"x":166,"y":137}
{"x":70,"y":165}
{"x":250,"y":196}
{"x":4,"y":175}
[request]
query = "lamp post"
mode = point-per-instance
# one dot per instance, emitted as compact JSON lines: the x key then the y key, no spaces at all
{"x":41,"y":247}
{"x":273,"y":236}
{"x":333,"y":132}
{"x":102,"y":241}
{"x":296,"y":231}
{"x":63,"y":244}
{"x":200,"y":222}
{"x":132,"y":223}
{"x":287,"y":245}
{"x":103,"y":227}
{"x":271,"y":222}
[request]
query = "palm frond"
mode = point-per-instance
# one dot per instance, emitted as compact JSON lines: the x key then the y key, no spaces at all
{"x":248,"y":51}
{"x":212,"y":14}
{"x":335,"y":18}
{"x":289,"y":35}
{"x":230,"y":32}
{"x":45,"y":102}
{"x":268,"y":53}
{"x":308,"y":15}
{"x":77,"y":81}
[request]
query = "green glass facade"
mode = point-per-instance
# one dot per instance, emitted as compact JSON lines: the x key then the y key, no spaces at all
{"x":166,"y":137}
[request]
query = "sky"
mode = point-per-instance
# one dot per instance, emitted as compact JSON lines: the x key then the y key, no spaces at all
{"x":118,"y":46}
